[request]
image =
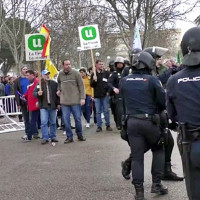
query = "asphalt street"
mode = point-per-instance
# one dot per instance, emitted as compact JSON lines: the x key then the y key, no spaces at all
{"x":88,"y":170}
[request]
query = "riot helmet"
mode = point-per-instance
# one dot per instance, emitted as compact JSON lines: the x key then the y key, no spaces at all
{"x":111,"y":65}
{"x":190,"y":46}
{"x":133,"y":52}
{"x":156,"y":52}
{"x":119,"y":60}
{"x":127,"y":62}
{"x":143,"y":60}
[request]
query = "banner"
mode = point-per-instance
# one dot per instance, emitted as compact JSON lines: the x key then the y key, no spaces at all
{"x":137,"y":40}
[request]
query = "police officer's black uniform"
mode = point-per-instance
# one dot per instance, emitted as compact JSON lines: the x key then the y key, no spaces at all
{"x":183,"y":106}
{"x":143,"y":95}
{"x":158,"y":52}
{"x":116,"y":99}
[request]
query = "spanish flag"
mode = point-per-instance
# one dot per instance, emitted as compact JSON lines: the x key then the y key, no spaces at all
{"x":51,"y":68}
{"x":46,"y":50}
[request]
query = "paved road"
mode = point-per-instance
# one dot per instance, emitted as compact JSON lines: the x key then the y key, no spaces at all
{"x":79,"y":171}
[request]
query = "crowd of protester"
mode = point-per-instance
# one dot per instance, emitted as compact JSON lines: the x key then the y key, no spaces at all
{"x":79,"y":92}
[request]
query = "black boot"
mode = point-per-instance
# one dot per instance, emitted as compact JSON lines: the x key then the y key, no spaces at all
{"x":169,"y":174}
{"x":126,"y":169}
{"x":158,"y":188}
{"x":139,"y":190}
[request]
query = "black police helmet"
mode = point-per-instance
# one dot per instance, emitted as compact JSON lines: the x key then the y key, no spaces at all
{"x":135,"y":51}
{"x":112,"y":62}
{"x":143,"y":60}
{"x":190,"y":46}
{"x":126,"y":62}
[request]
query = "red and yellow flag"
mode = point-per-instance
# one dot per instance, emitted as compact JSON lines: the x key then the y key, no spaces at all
{"x":46,"y":50}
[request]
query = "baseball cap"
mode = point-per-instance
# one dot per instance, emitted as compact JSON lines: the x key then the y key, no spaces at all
{"x":45,"y":72}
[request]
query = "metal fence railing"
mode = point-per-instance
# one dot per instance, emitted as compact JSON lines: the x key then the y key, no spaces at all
{"x":8,"y":112}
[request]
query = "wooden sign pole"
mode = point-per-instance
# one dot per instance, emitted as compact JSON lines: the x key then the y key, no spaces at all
{"x":39,"y":74}
{"x":93,"y":63}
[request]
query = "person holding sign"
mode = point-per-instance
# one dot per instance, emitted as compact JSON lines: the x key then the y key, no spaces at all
{"x":48,"y":103}
{"x":101,"y":98}
{"x":72,"y":96}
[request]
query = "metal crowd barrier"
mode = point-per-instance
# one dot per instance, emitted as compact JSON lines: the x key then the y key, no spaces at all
{"x":8,"y":112}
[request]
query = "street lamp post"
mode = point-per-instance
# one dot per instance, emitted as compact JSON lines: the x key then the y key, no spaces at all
{"x":97,"y":54}
{"x":79,"y":55}
{"x":108,"y":59}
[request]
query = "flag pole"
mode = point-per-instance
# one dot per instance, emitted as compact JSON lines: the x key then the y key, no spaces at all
{"x":39,"y":73}
{"x":93,"y":63}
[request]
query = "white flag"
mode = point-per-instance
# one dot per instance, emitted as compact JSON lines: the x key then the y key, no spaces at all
{"x":137,"y":40}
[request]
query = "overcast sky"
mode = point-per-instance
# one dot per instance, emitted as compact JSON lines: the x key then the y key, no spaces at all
{"x":189,"y":22}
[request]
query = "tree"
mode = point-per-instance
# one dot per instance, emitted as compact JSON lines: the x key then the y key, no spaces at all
{"x":197,"y":20}
{"x":64,"y":17}
{"x":20,"y":17}
{"x":153,"y":14}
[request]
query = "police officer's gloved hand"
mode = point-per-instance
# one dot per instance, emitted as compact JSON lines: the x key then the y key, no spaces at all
{"x":174,"y":69}
{"x":173,"y":126}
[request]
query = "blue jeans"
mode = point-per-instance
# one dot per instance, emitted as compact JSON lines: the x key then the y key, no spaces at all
{"x":33,"y":119}
{"x":25,"y":115}
{"x":48,"y":117}
{"x":87,"y":108}
{"x":76,"y":112}
{"x":99,"y":104}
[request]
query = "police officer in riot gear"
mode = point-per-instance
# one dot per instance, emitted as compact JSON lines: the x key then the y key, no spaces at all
{"x":116,"y":98}
{"x":157,"y":53}
{"x":111,"y":65}
{"x":128,"y":69}
{"x":143,"y":95}
{"x":183,"y":106}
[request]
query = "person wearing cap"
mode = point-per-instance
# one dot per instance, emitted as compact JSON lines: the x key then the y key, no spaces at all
{"x":72,"y":96}
{"x":114,"y":79}
{"x":183,"y":107}
{"x":48,"y":102}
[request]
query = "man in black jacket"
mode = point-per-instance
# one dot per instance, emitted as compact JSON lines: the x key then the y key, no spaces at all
{"x":101,"y":98}
{"x":48,"y":103}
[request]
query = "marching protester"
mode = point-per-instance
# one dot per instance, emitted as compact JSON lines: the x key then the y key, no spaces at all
{"x":87,"y":107}
{"x":183,"y":106}
{"x":142,"y":96}
{"x":72,"y":96}
{"x":20,"y":88}
{"x":114,"y":80}
{"x":101,"y":95}
{"x":90,"y":71}
{"x":32,"y":103}
{"x":48,"y":102}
